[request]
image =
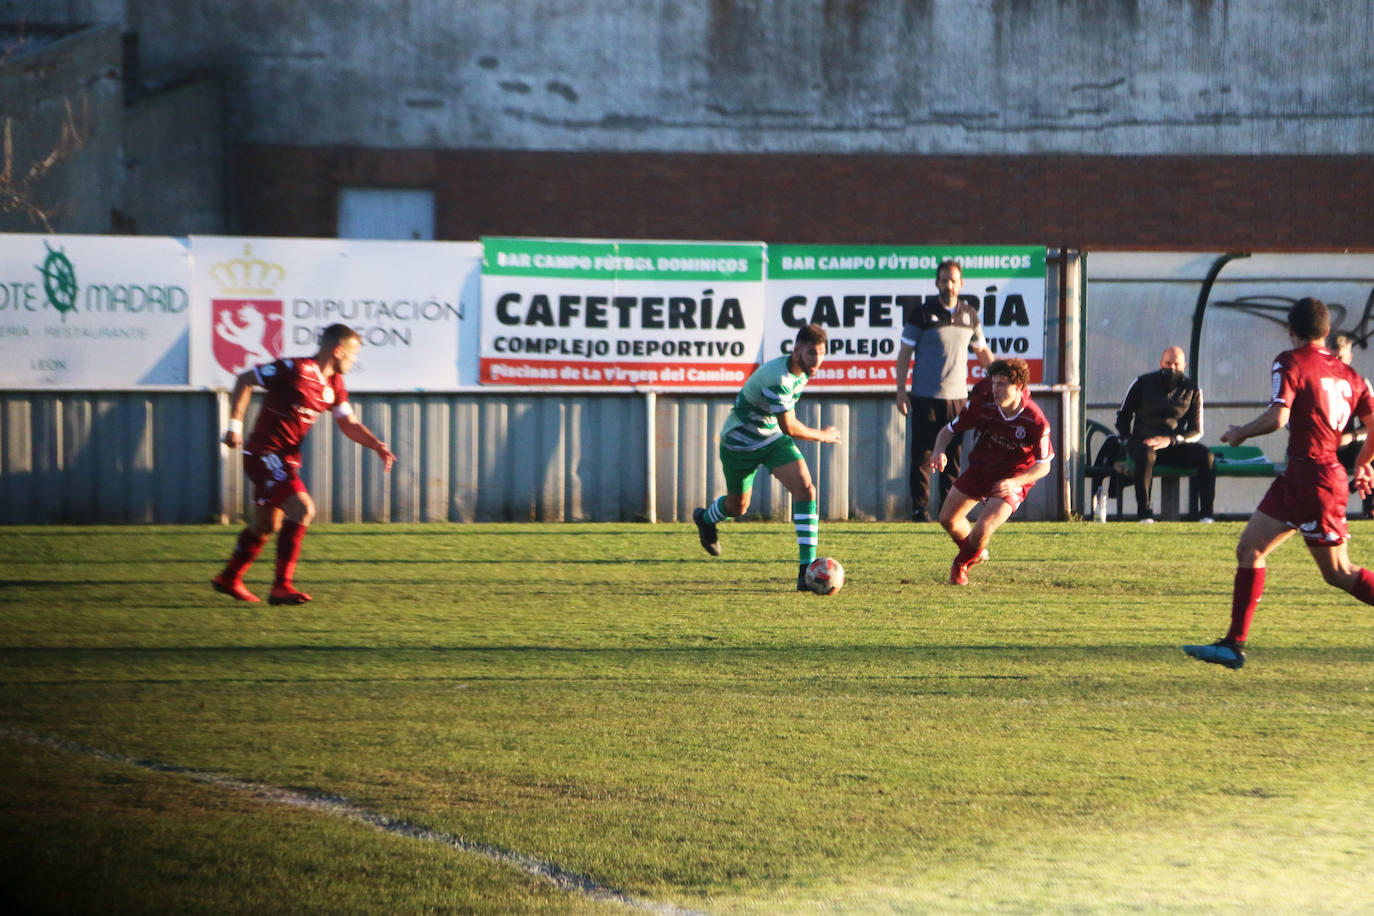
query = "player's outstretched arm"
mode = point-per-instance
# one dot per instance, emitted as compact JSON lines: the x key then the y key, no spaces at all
{"x":938,"y":459}
{"x":351,"y":427}
{"x":1276,"y":417}
{"x":1038,"y":471}
{"x":1011,"y":485}
{"x":238,"y":407}
{"x":795,"y":428}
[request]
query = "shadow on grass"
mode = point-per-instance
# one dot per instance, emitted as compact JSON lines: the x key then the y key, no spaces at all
{"x":810,"y":653}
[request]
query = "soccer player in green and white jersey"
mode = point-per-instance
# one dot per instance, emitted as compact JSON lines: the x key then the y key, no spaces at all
{"x":762,"y":429}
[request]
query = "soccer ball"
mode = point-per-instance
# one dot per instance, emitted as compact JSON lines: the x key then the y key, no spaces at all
{"x":825,"y":576}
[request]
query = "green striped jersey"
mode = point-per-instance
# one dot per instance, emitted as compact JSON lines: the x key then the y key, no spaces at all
{"x":753,"y":421}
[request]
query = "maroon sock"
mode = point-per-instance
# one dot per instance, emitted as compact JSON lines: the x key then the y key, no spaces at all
{"x":966,"y":551}
{"x":246,"y":550}
{"x":1245,"y":597}
{"x":288,"y":552}
{"x":1364,"y":587}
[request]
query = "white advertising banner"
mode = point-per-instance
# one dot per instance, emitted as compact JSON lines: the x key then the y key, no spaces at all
{"x":587,"y":313}
{"x":860,"y":293}
{"x":89,"y":311}
{"x":258,"y":300}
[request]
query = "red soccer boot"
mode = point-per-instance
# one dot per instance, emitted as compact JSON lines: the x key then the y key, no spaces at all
{"x":286,"y":594}
{"x":233,"y":588}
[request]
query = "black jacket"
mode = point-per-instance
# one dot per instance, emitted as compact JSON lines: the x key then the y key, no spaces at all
{"x":1154,"y":408}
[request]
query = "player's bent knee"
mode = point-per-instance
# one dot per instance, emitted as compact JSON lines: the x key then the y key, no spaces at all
{"x":265,"y":524}
{"x":301,"y":510}
{"x":1339,"y":578}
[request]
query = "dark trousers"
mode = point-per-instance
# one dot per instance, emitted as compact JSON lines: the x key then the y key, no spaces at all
{"x":928,"y":417}
{"x":1193,"y":455}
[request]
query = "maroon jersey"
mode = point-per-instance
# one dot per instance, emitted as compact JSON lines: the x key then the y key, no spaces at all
{"x":1007,"y":445}
{"x":1321,"y":394}
{"x":297,"y":393}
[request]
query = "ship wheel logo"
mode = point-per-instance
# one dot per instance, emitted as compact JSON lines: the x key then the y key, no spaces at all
{"x":59,"y":281}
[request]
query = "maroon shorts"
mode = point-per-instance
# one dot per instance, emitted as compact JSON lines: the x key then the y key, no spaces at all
{"x":274,"y":478}
{"x":1310,"y":496}
{"x":978,"y":485}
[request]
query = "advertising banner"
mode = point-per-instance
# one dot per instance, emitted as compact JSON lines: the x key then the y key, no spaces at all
{"x":88,"y":311}
{"x":859,"y":295}
{"x":258,"y":300}
{"x":607,"y":313}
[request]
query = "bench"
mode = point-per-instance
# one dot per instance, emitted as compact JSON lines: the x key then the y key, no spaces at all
{"x":1113,"y":467}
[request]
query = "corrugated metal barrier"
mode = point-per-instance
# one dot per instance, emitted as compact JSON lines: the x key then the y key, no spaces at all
{"x":472,"y":456}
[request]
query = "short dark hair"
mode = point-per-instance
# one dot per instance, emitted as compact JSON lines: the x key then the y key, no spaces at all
{"x":946,"y":264}
{"x":813,"y":333}
{"x":1309,"y":319}
{"x":336,"y":335}
{"x":1014,"y":370}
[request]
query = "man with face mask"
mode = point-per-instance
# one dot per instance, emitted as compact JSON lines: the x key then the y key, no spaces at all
{"x":1161,"y":421}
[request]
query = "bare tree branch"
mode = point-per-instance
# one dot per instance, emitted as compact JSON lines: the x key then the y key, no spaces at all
{"x":20,"y":193}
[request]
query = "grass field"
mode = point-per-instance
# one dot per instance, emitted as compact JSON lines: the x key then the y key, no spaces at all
{"x":682,"y":731}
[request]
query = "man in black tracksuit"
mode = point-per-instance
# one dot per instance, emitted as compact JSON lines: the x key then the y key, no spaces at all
{"x":1161,"y":421}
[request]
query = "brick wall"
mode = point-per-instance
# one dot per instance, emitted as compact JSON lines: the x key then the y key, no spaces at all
{"x":1289,"y":203}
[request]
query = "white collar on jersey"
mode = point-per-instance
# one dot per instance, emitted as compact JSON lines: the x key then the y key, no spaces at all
{"x":1014,"y":414}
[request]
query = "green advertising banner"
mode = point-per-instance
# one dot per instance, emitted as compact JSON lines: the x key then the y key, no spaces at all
{"x":860,"y":293}
{"x":591,"y":313}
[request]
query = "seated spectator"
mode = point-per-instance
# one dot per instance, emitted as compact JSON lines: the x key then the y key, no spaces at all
{"x":1352,"y":437}
{"x":1161,"y":421}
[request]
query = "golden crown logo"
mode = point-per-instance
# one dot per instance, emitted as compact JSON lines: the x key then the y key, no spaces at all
{"x":248,"y":276}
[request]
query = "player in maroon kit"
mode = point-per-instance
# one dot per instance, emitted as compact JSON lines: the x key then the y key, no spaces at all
{"x":1013,"y":452}
{"x":298,"y":391}
{"x":1314,"y":395}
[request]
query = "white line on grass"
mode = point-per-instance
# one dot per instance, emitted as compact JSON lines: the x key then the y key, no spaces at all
{"x":339,"y":807}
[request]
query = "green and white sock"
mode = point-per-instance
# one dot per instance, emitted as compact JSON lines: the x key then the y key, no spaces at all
{"x":808,"y":529}
{"x":715,"y":512}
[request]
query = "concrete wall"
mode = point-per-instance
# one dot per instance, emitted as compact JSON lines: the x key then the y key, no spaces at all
{"x":76,"y":80}
{"x":1097,"y":124}
{"x":174,"y":177}
{"x":153,"y":166}
{"x":928,"y":77}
